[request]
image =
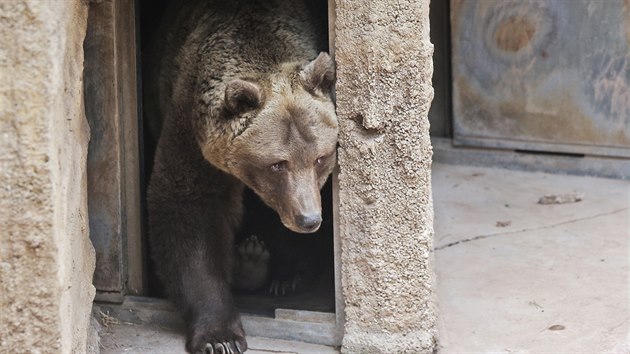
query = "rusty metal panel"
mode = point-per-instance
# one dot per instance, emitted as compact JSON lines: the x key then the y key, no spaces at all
{"x":550,"y":75}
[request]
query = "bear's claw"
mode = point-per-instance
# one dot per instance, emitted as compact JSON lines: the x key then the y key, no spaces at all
{"x":285,"y":287}
{"x":212,"y":339}
{"x":251,"y":264}
{"x":253,"y":250}
{"x":223,"y":348}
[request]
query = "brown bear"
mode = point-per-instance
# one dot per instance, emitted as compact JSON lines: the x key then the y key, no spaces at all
{"x":243,"y":95}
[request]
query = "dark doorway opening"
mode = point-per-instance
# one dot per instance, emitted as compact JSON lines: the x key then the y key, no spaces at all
{"x":301,"y":273}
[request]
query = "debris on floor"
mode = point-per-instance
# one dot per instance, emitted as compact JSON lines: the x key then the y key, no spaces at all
{"x":503,"y":223}
{"x":556,"y":328}
{"x":561,"y":198}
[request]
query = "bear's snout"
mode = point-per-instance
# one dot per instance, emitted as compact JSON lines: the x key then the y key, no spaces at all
{"x":309,"y":222}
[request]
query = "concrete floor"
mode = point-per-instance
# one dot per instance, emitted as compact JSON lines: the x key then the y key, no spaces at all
{"x":513,"y":276}
{"x":128,"y":338}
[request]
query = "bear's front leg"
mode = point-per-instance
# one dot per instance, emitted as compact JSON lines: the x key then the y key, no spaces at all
{"x":213,"y":322}
{"x":192,"y":248}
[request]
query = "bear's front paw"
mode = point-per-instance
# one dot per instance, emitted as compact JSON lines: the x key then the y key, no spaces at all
{"x":217,"y":340}
{"x":282,"y":287}
{"x":251,"y":267}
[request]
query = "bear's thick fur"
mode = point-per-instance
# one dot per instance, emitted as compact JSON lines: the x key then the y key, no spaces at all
{"x":244,"y":97}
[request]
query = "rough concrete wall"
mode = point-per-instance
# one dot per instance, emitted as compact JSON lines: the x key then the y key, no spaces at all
{"x":46,"y":259}
{"x":384,"y":92}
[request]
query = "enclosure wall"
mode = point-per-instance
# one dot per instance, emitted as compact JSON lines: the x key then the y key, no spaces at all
{"x":384,"y":68}
{"x":46,"y":258}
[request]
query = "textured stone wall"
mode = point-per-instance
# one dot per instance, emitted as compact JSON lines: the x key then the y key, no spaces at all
{"x":384,"y":68}
{"x":46,"y":259}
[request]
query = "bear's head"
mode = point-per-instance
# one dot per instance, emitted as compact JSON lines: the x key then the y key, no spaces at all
{"x":277,"y":133}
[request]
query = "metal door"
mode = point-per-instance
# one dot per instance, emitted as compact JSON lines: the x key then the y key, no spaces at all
{"x":546,"y":75}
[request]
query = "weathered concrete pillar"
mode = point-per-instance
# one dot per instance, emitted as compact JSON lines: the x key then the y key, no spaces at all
{"x":46,"y":258}
{"x":384,"y":68}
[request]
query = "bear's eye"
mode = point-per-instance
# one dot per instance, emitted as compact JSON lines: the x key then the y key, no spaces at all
{"x":322,"y":159}
{"x":279,"y":166}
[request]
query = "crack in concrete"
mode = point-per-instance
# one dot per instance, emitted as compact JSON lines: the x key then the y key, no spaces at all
{"x":481,"y":237}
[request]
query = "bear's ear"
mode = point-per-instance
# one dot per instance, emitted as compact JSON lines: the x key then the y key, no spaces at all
{"x":319,"y":73}
{"x":242,"y":96}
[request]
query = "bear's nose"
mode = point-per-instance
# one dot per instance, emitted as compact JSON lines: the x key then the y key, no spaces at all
{"x":309,"y":221}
